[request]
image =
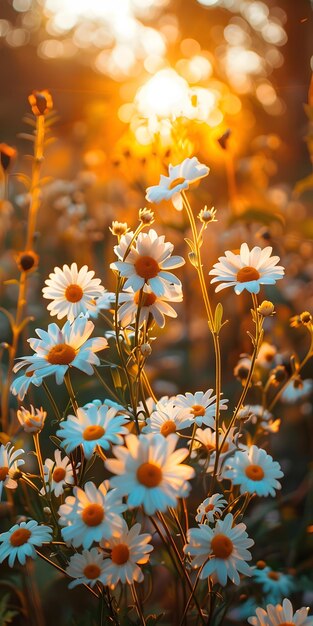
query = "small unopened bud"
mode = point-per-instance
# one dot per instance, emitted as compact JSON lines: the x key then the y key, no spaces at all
{"x":41,"y":102}
{"x":119,"y":228}
{"x":261,"y":564}
{"x":266,"y":308}
{"x":7,"y":156}
{"x":306,"y":317}
{"x":27,"y":261}
{"x":146,"y":216}
{"x":145,"y":349}
{"x":207,"y":215}
{"x":279,"y":375}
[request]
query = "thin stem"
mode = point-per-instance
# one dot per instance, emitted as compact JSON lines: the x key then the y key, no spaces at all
{"x":52,"y":401}
{"x":60,"y":569}
{"x":137,"y":603}
{"x":70,"y":391}
{"x":191,"y":595}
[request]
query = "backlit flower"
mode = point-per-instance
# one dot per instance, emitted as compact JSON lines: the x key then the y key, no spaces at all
{"x":281,"y":615}
{"x":222,"y":550}
{"x":72,"y":291}
{"x":128,"y":550}
{"x":9,"y":463}
{"x":179,"y":179}
{"x":86,"y":568}
{"x":255,"y":471}
{"x":148,"y":262}
{"x":31,"y":419}
{"x":210,"y":508}
{"x":167,"y":418}
{"x":21,"y":384}
{"x":58,"y":474}
{"x":275,"y":585}
{"x":247,"y":270}
{"x":151,"y":305}
{"x":91,"y":427}
{"x":150,"y":471}
{"x":57,"y":350}
{"x":91,"y":514}
{"x":202,"y":406}
{"x":19,"y":542}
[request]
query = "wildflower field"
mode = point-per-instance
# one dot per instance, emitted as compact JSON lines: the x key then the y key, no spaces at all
{"x":156,"y":329}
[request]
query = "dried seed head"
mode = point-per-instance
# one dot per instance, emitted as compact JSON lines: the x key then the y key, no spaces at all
{"x":146,"y":216}
{"x":27,"y":261}
{"x":41,"y":102}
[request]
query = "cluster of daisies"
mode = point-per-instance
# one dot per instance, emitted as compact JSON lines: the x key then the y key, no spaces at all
{"x":150,"y":471}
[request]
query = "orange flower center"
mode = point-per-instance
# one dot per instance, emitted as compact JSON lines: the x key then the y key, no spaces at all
{"x":29,"y":374}
{"x":175,"y":182}
{"x":247,"y":274}
{"x":168,"y":428}
{"x":93,"y":432}
{"x":222,"y":546}
{"x":198,"y":410}
{"x":61,"y":354}
{"x":149,"y":475}
{"x":120,"y":554}
{"x":29,"y":421}
{"x":286,"y":624}
{"x":74,"y":293}
{"x":147,"y":299}
{"x":254,"y":472}
{"x":93,"y":514}
{"x":3,"y":473}
{"x":19,"y":537}
{"x":59,"y":474}
{"x":92,"y":571}
{"x":209,"y":507}
{"x":147,"y":267}
{"x":273,"y":575}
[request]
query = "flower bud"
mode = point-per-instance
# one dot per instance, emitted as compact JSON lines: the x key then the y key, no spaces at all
{"x":118,"y":228}
{"x":146,"y":216}
{"x":266,"y":308}
{"x":145,"y":349}
{"x":207,"y":215}
{"x":7,"y":156}
{"x":41,"y":102}
{"x":306,"y":318}
{"x":32,"y":420}
{"x":27,"y":261}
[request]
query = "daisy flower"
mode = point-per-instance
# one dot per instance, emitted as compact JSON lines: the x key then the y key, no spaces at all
{"x":58,"y":474}
{"x":255,"y":471}
{"x":167,"y":418}
{"x":179,"y":179}
{"x":256,"y":413}
{"x":57,"y":350}
{"x":20,"y":541}
{"x":202,"y":406}
{"x":21,"y":384}
{"x":150,"y":472}
{"x":91,"y":514}
{"x":129,"y":549}
{"x":151,"y":305}
{"x":247,"y":270}
{"x":222,"y":550}
{"x":266,"y":355}
{"x":92,"y":426}
{"x":86,"y":568}
{"x":281,"y":615}
{"x":293,"y":394}
{"x":9,"y":463}
{"x":103,"y":303}
{"x":32,"y":420}
{"x":71,"y":291}
{"x":205,"y":441}
{"x":275,"y":585}
{"x":211,"y":508}
{"x":148,"y":262}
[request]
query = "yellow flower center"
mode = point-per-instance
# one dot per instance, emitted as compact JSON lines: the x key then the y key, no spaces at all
{"x":61,"y":354}
{"x":149,"y":475}
{"x":175,"y":182}
{"x":93,"y":432}
{"x":209,"y":507}
{"x":286,"y":624}
{"x":93,"y":515}
{"x":19,"y":537}
{"x":254,"y":472}
{"x":92,"y":571}
{"x":147,"y":267}
{"x":168,"y":428}
{"x":198,"y":410}
{"x":74,"y":293}
{"x":222,"y":546}
{"x":147,"y":299}
{"x":273,"y":575}
{"x":247,"y":274}
{"x":59,"y":474}
{"x":3,"y":472}
{"x":120,"y":554}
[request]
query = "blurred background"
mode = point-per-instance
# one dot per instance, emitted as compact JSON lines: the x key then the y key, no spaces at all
{"x":139,"y":84}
